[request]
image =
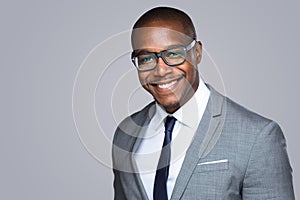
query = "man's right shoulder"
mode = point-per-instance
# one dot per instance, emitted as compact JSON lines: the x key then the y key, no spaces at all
{"x":131,"y":125}
{"x":140,"y":116}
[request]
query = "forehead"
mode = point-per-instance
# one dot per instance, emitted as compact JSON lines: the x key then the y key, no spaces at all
{"x":158,"y":38}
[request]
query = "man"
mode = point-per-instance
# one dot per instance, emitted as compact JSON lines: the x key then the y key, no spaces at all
{"x":192,"y":142}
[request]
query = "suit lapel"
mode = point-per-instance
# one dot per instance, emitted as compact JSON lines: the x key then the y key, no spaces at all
{"x":139,"y":136}
{"x":136,"y":177}
{"x":218,"y":107}
{"x":207,"y":135}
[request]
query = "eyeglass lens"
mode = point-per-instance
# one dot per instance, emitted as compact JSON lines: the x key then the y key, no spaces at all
{"x":171,"y":57}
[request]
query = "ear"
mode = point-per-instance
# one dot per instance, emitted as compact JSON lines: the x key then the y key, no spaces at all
{"x":198,"y":51}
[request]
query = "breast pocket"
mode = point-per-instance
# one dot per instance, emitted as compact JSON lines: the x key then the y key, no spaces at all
{"x":210,"y":180}
{"x":212,"y":166}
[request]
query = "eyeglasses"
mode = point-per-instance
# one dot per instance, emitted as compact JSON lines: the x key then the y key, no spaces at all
{"x":146,"y":61}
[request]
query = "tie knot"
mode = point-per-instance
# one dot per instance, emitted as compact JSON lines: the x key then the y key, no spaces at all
{"x":169,"y":124}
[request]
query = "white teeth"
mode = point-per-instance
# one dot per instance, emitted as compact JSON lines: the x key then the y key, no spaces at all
{"x":167,"y":85}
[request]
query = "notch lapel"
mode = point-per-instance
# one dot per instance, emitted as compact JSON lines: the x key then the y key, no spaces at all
{"x":139,"y":136}
{"x":136,"y":177}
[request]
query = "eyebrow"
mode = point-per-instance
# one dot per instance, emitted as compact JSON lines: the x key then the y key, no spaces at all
{"x":143,"y":51}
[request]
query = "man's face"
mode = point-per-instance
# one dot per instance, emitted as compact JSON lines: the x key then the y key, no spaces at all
{"x":170,"y":86}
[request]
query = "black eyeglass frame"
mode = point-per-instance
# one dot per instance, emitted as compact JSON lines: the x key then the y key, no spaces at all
{"x":159,"y":55}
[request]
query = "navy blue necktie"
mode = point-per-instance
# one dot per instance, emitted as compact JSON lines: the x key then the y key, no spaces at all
{"x":162,"y":172}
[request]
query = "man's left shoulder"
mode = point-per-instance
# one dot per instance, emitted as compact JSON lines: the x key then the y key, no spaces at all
{"x":244,"y":121}
{"x":234,"y":112}
{"x":238,"y":112}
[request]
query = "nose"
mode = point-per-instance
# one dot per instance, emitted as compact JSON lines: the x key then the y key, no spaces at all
{"x":162,"y":68}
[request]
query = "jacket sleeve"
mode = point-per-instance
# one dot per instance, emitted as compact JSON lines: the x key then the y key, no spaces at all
{"x":268,"y":174}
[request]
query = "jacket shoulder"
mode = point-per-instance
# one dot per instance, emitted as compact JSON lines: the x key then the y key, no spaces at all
{"x":129,"y":128}
{"x":242,"y":117}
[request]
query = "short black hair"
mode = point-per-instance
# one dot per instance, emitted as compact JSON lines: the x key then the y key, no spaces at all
{"x":167,"y":14}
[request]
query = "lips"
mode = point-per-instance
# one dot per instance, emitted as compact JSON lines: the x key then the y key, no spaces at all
{"x":167,"y":85}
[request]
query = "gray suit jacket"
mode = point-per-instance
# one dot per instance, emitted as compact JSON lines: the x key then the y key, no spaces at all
{"x":235,"y":154}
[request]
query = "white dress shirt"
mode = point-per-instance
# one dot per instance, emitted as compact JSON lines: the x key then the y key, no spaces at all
{"x":148,"y":153}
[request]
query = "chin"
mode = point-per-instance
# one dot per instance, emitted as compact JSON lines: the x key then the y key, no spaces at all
{"x":170,"y":107}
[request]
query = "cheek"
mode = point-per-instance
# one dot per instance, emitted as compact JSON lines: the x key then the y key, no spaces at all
{"x":142,"y":77}
{"x":190,"y":71}
{"x":191,"y":76}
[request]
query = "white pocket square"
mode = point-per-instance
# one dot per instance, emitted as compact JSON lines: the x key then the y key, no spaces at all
{"x":213,"y":162}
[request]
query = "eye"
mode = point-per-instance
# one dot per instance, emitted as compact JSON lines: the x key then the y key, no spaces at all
{"x":172,"y":54}
{"x":145,"y":59}
{"x":175,"y":54}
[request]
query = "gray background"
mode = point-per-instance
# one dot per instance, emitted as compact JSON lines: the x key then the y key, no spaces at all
{"x":254,"y":43}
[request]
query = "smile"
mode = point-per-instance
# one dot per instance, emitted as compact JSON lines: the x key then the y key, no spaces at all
{"x":167,"y":85}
